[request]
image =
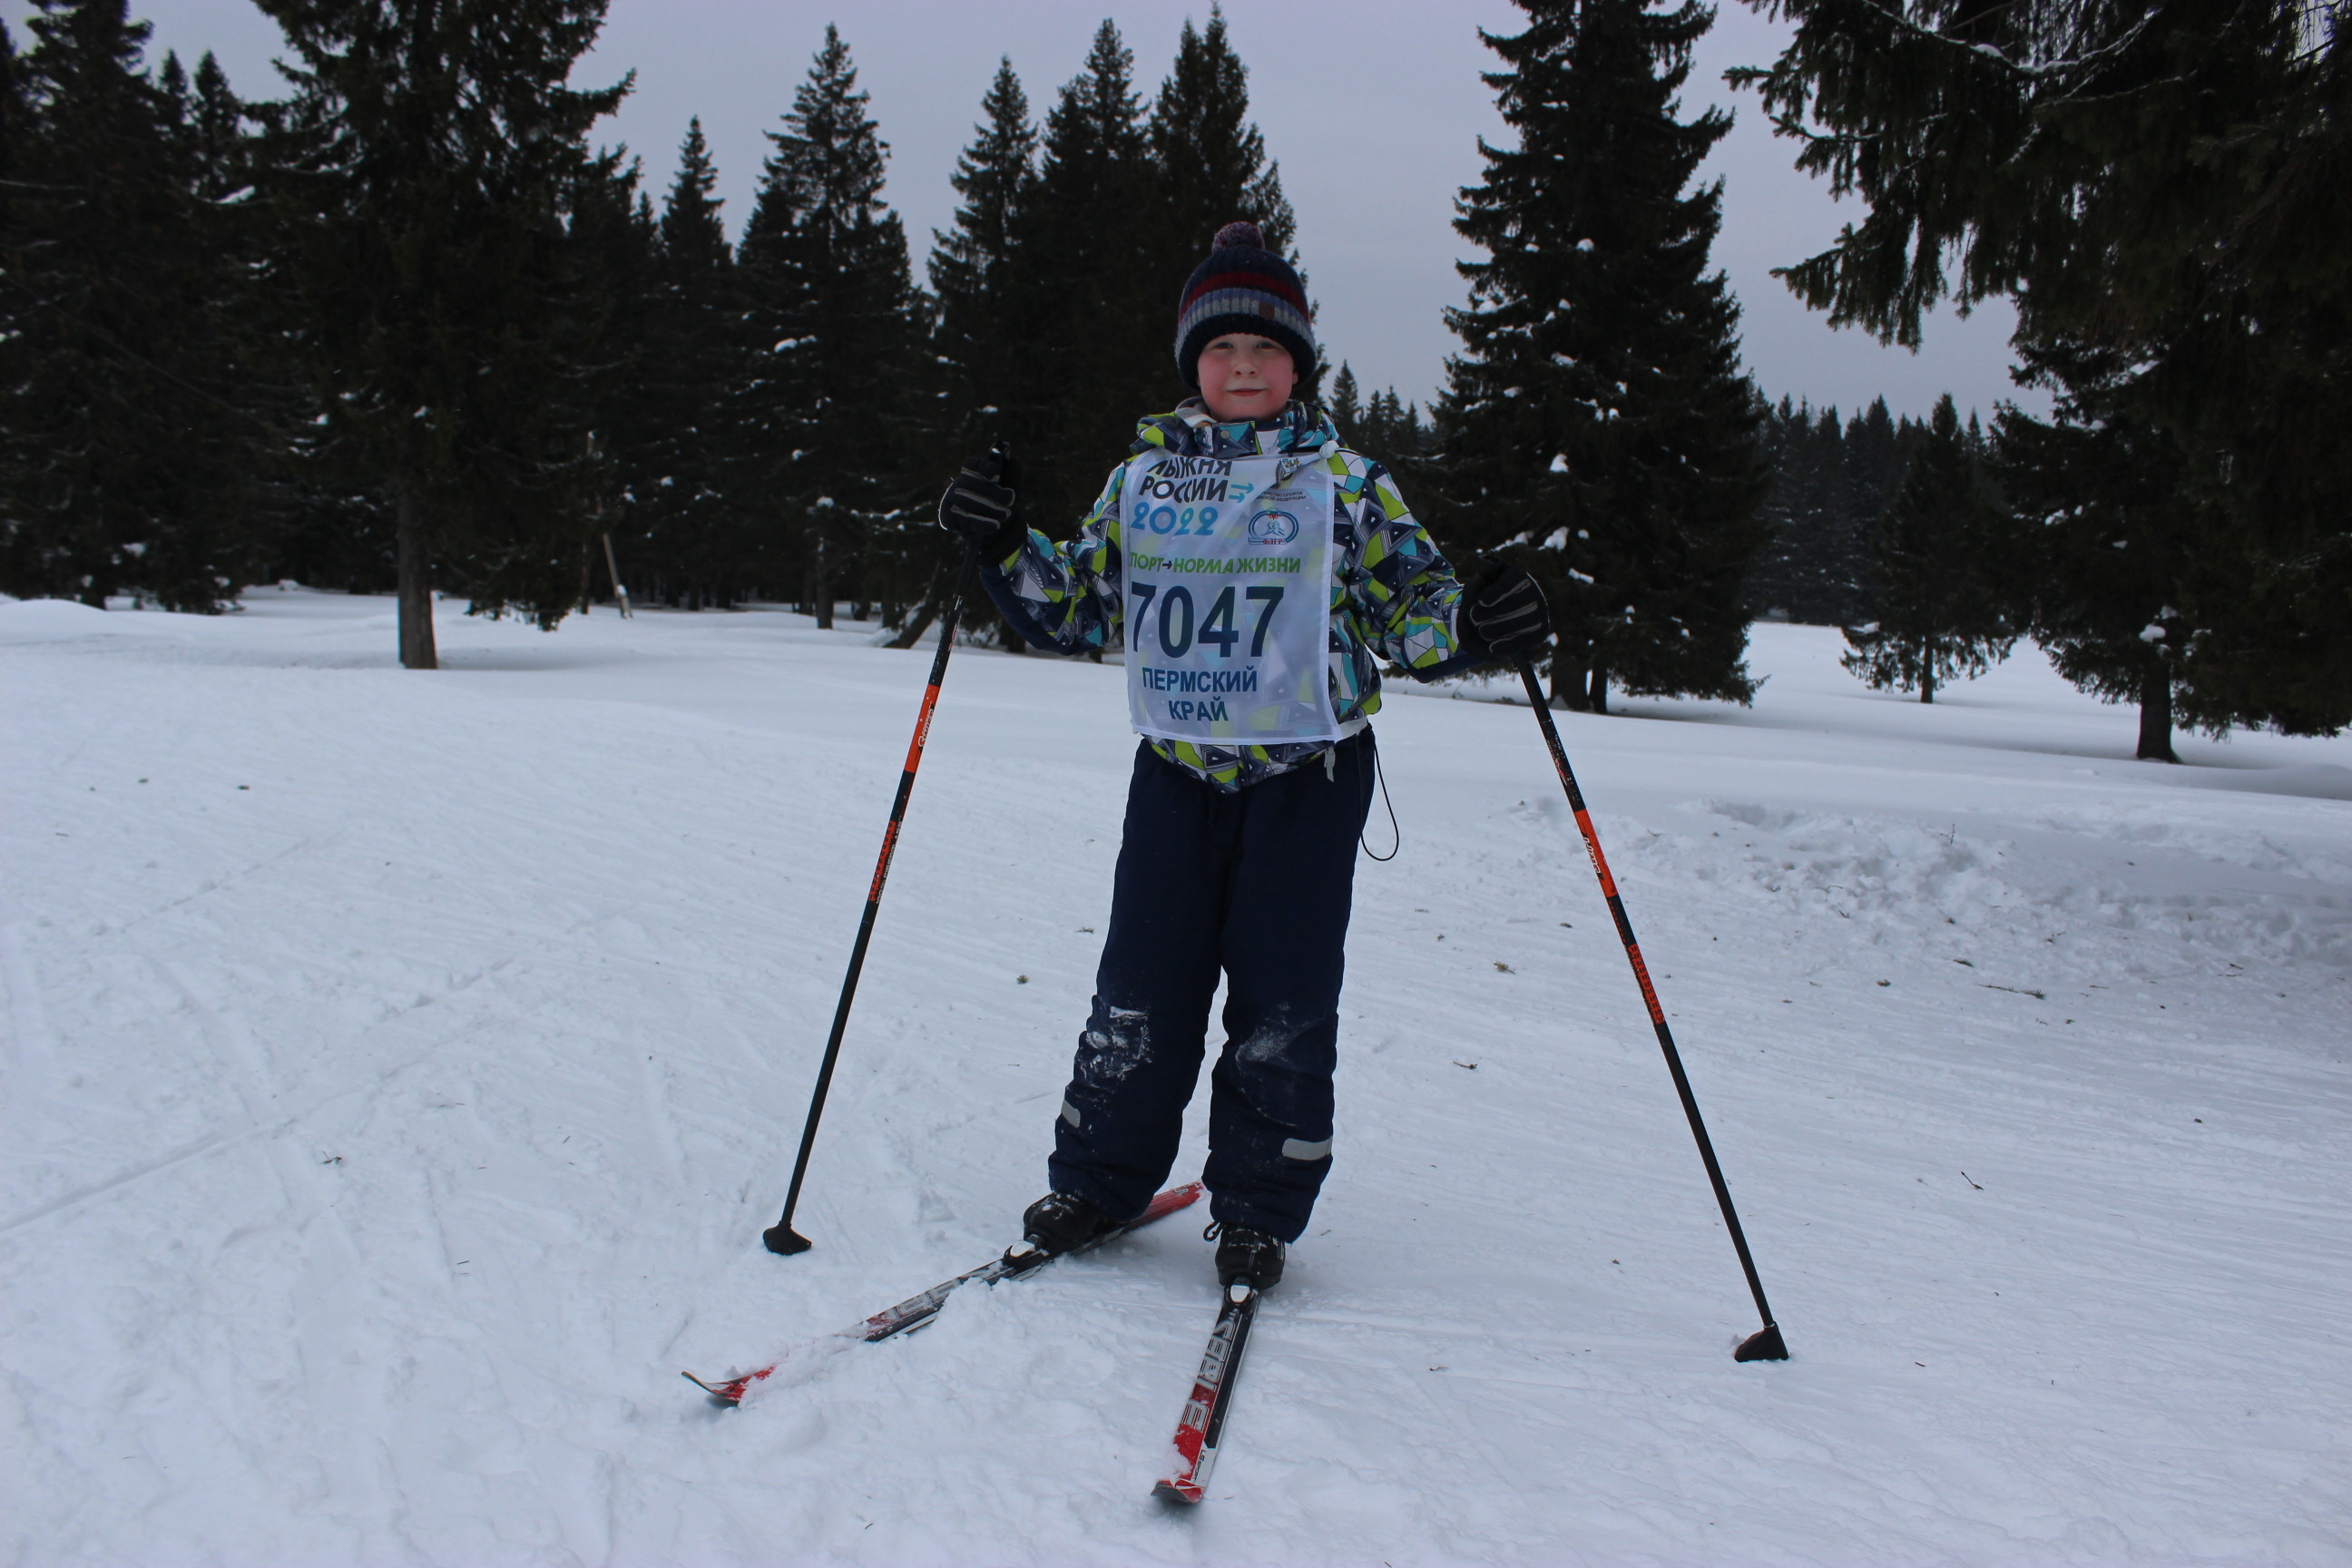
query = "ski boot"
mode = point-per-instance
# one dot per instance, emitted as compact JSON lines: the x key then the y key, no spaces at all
{"x":1057,"y":1222}
{"x":1247,"y":1256}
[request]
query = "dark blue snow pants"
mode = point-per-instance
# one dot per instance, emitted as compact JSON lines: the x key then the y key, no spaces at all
{"x":1256,"y":883}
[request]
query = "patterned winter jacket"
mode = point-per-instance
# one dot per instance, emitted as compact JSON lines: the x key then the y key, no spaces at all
{"x":1392,"y":594}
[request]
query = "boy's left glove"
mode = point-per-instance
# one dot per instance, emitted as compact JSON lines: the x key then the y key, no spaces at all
{"x":977,"y":505}
{"x":1507,"y":612}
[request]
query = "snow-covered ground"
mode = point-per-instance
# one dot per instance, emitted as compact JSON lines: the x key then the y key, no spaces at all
{"x":401,"y":1068}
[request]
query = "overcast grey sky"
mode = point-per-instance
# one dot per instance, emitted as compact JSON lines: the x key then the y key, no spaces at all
{"x":1373,"y":110}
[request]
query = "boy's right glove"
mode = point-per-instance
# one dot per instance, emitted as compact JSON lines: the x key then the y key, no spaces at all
{"x":977,"y":505}
{"x":1507,"y":612}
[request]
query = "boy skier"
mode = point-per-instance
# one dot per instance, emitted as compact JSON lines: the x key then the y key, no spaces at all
{"x":1254,"y":567}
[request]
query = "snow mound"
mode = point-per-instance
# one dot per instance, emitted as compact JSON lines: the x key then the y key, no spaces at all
{"x":59,"y":620}
{"x":1901,"y":880}
{"x":2312,"y":781}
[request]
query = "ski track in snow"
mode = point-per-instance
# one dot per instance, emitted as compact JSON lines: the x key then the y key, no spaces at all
{"x":400,"y":1069}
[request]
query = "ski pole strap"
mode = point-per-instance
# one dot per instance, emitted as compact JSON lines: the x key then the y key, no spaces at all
{"x":1396,"y":834}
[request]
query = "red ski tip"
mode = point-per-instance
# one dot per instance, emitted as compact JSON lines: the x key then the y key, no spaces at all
{"x":918,"y":1310}
{"x":728,"y":1391}
{"x":719,"y":1391}
{"x":1177,"y":1491}
{"x":1171,"y":1200}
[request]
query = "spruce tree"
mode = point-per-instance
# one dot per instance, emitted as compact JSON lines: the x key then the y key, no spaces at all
{"x":969,"y":267}
{"x":420,"y":179}
{"x":1393,"y":430}
{"x":216,"y":123}
{"x":15,"y":126}
{"x":131,"y":455}
{"x":682,"y":536}
{"x":612,"y":230}
{"x":1080,"y":299}
{"x":1596,"y":423}
{"x":1344,"y":405}
{"x":1210,"y":160}
{"x":1063,"y":281}
{"x":1833,"y":483}
{"x":835,"y":381}
{"x":1878,"y":450}
{"x":1816,"y":566}
{"x":1777,"y":582}
{"x":984,"y":392}
{"x":16,"y":118}
{"x":1846,"y":505}
{"x":2159,"y":181}
{"x":1935,"y":572}
{"x":242,"y":339}
{"x":236,"y":444}
{"x":693,"y":235}
{"x":766,"y":417}
{"x":2110,"y":540}
{"x":1210,"y":167}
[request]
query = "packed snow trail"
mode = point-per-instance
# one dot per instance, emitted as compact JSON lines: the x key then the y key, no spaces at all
{"x":400,"y":1069}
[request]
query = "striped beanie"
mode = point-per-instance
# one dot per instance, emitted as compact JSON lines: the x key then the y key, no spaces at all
{"x":1243,"y":287}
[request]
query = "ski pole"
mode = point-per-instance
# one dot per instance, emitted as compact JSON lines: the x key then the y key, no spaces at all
{"x":781,"y":1237}
{"x":1765,"y":1344}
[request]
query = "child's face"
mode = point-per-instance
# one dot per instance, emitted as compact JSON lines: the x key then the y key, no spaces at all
{"x":1243,"y":376}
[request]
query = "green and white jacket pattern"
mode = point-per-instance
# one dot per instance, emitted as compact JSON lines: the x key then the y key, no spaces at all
{"x":1392,"y":594}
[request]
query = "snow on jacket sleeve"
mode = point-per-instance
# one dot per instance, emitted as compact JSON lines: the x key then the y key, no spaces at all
{"x":1066,"y":598}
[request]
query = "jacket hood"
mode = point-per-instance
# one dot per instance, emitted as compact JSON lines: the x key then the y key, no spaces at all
{"x":1188,"y":430}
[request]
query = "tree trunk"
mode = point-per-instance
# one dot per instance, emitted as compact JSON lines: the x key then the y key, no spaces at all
{"x":93,"y":587}
{"x":1928,"y":678}
{"x":1598,"y":699}
{"x":417,"y":649}
{"x":925,"y":612}
{"x":821,"y":587}
{"x":1567,"y":684}
{"x":2156,"y":714}
{"x":916,"y":624}
{"x":613,"y":568}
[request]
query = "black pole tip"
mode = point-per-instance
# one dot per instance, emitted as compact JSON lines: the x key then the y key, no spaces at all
{"x":1762,"y":1345}
{"x":783,"y":1240}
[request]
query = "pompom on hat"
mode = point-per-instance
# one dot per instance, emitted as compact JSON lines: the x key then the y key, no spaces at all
{"x":1243,"y":287}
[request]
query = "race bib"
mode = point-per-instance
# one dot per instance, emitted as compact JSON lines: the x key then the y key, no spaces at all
{"x":1229,"y":598}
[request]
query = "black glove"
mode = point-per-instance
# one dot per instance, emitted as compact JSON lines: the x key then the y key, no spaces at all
{"x":977,"y":505}
{"x":1507,"y":612}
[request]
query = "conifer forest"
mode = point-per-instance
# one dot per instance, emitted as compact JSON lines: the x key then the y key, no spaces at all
{"x":413,"y":328}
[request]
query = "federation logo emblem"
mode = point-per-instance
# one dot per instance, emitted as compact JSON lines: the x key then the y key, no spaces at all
{"x":1272,"y":528}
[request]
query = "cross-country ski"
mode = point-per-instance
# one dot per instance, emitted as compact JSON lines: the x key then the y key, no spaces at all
{"x":918,"y":1310}
{"x":1201,"y":1427}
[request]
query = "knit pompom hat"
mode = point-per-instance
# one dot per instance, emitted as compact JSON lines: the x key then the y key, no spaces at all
{"x":1243,"y":287}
